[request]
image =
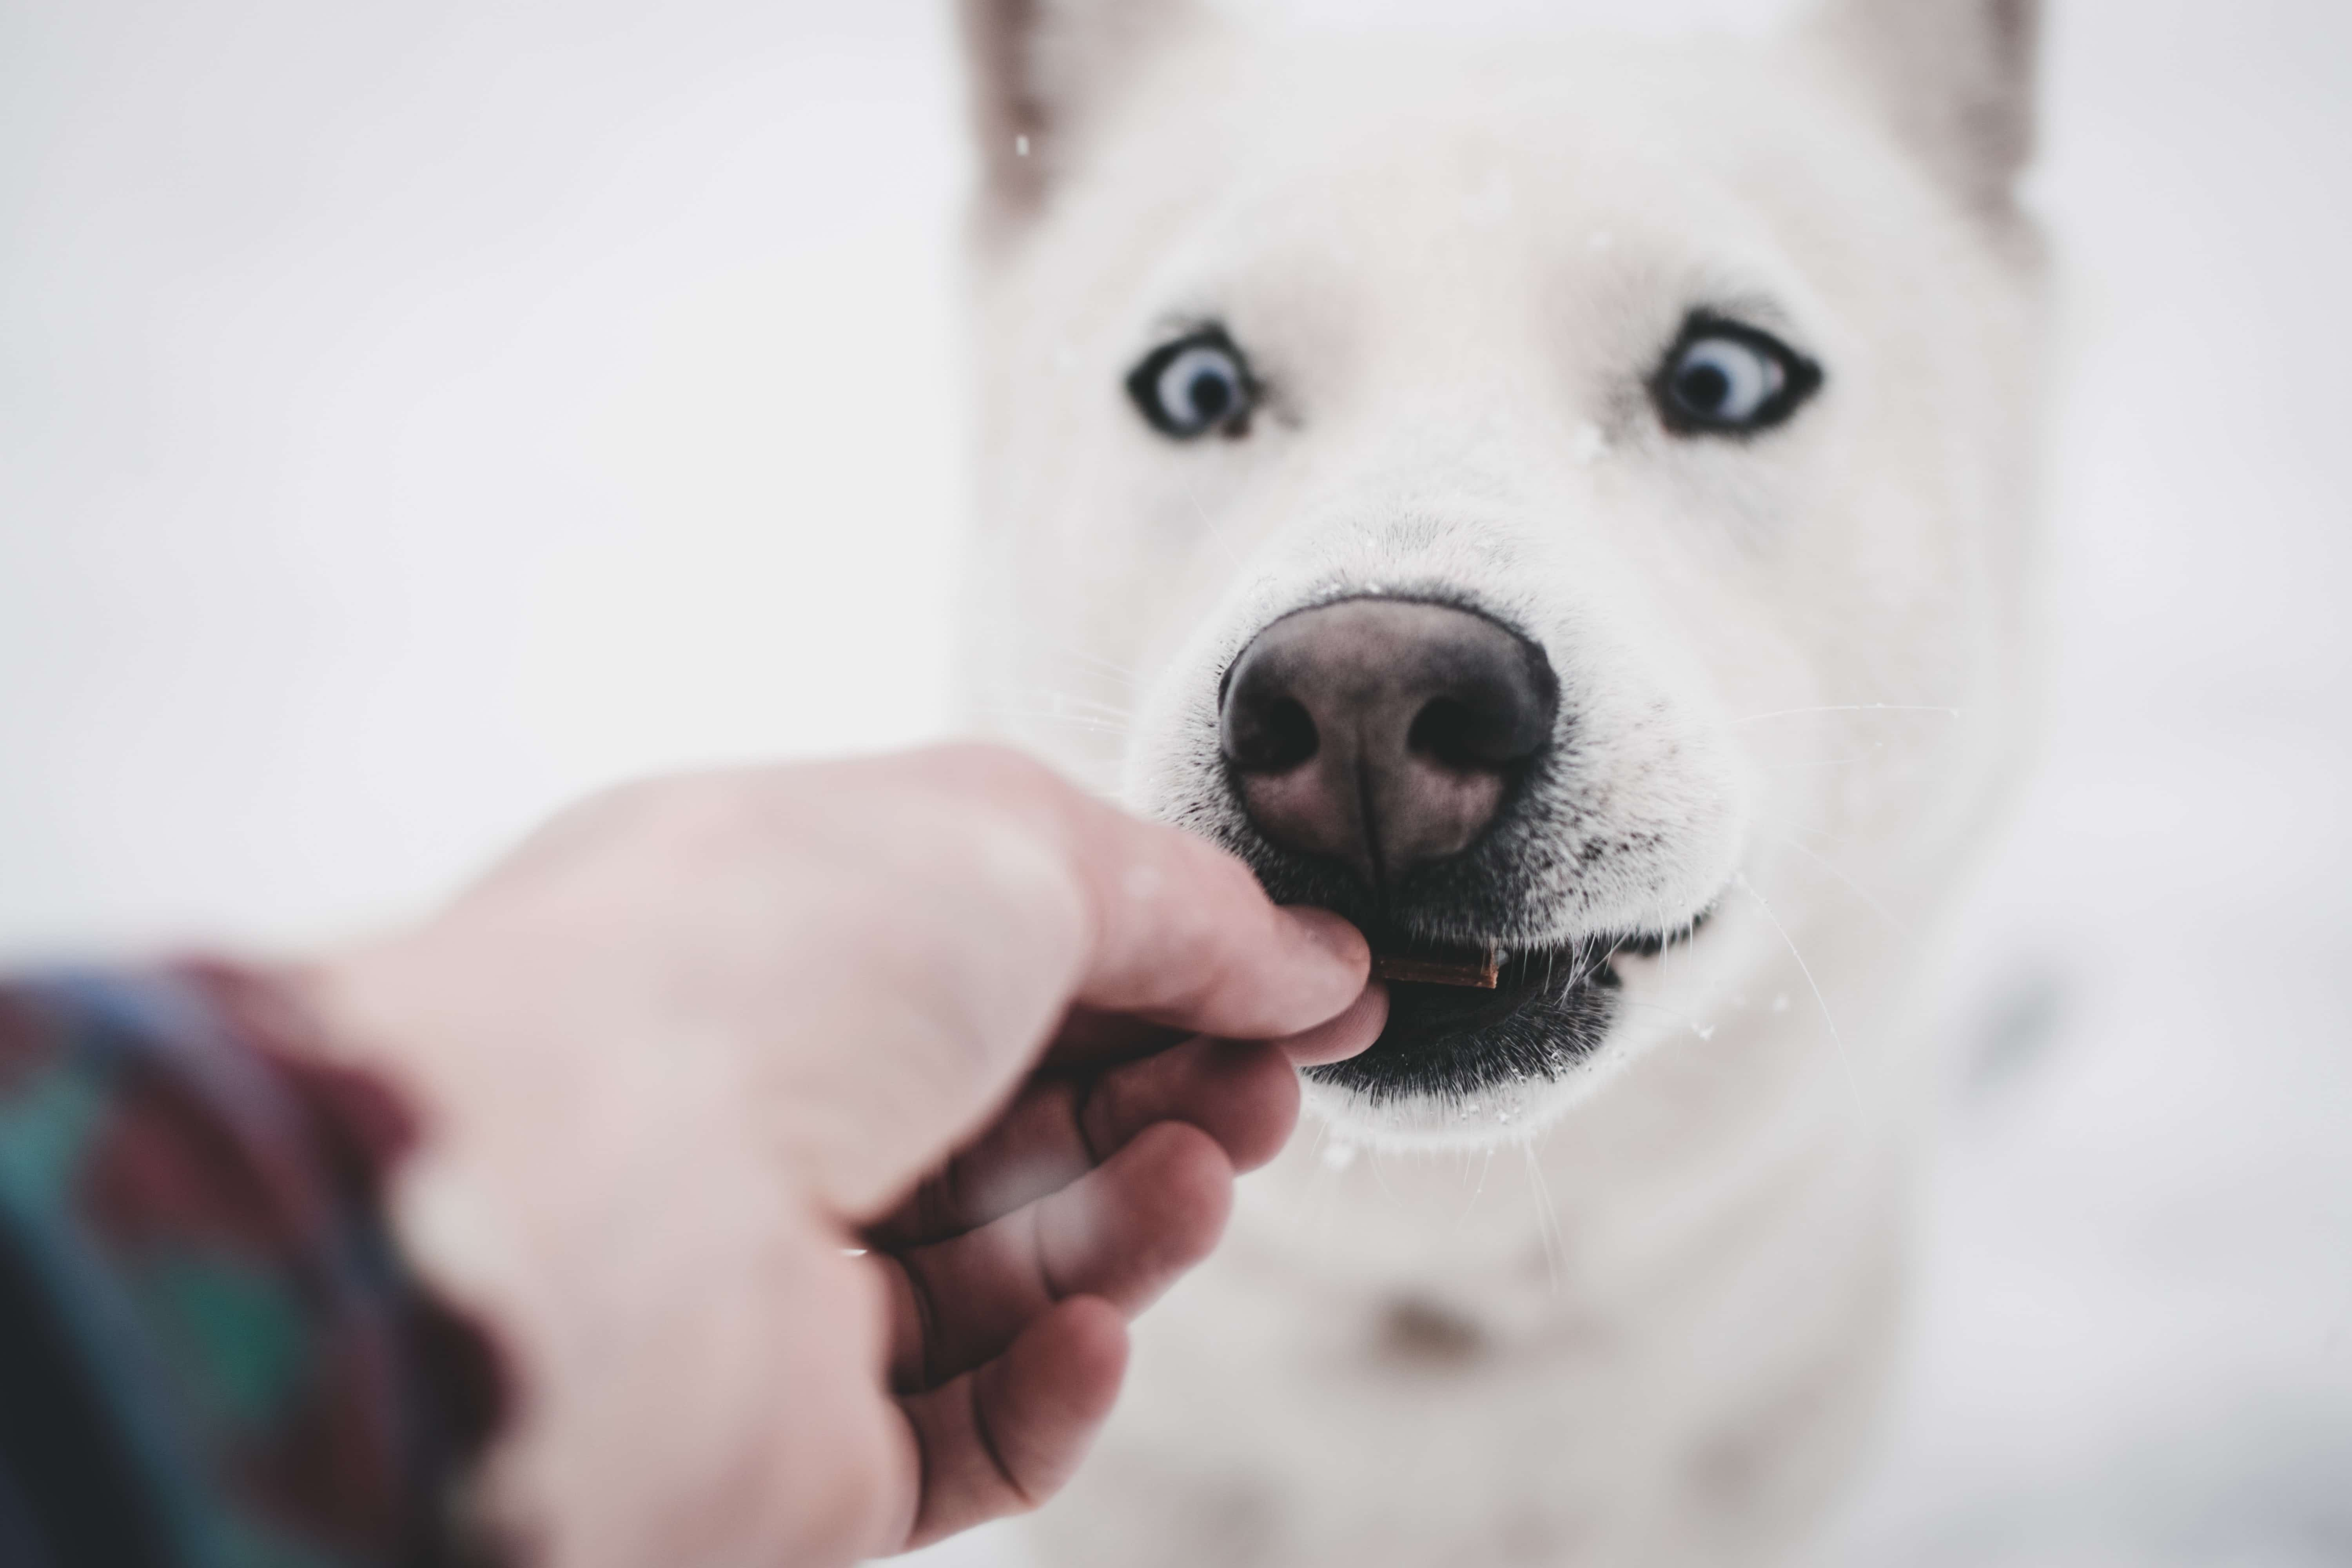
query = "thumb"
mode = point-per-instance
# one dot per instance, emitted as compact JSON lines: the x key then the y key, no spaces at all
{"x":996,"y":897}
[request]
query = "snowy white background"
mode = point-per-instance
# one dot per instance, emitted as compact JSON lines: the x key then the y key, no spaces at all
{"x":411,"y":415}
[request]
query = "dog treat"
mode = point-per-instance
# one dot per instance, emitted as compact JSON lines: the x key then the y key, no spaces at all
{"x":1479,"y":971}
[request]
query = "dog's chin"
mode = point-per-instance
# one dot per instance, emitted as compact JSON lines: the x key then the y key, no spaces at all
{"x":1459,"y":1066}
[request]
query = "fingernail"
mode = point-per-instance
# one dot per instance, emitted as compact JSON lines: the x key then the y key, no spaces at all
{"x":1332,"y":935}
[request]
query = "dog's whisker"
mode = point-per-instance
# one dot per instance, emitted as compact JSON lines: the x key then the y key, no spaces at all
{"x":1853,"y":1086}
{"x":1469,"y":1157}
{"x":1380,"y":1174}
{"x":1462,"y":1180}
{"x":1323,"y":1184}
{"x":1121,"y":673}
{"x":1021,"y":635}
{"x":1870,"y":755}
{"x":1684,"y":1019}
{"x":1210,"y":531}
{"x":1872,"y":905}
{"x":1059,"y":702}
{"x":1547,"y":1217}
{"x":1852,"y":707}
{"x":1076,"y":721}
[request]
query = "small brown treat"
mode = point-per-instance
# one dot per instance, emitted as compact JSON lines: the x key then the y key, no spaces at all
{"x":1481,"y":970}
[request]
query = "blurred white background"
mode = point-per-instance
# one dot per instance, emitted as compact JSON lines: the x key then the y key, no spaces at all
{"x":414,"y":414}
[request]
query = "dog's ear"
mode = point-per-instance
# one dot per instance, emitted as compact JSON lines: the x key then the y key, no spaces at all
{"x":1955,"y":78}
{"x":1040,"y":71}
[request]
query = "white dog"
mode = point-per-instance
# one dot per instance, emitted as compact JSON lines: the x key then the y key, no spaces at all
{"x":1567,"y":503}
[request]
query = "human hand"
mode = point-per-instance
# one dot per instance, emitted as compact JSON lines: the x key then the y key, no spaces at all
{"x":703,"y":1036}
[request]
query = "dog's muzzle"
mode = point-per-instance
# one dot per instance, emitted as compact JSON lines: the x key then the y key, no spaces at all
{"x":1385,"y":751}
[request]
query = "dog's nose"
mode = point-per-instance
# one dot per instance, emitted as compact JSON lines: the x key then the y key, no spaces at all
{"x":1382,"y":733}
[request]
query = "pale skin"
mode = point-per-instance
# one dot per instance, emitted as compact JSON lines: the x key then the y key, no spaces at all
{"x":810,"y":1136}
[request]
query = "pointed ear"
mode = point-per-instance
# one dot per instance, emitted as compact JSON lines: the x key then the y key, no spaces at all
{"x":1955,"y":78}
{"x":1041,"y":71}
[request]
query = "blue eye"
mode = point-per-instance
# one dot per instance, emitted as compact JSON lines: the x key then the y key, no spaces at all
{"x":1195,"y":384}
{"x":1724,"y":378}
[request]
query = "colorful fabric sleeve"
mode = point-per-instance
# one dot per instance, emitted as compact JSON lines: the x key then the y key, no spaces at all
{"x":211,"y":1355}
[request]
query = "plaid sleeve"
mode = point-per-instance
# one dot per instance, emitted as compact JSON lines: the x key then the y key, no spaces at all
{"x":211,"y":1356}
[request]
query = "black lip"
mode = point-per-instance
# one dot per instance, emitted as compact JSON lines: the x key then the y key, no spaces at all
{"x":1552,"y":1010}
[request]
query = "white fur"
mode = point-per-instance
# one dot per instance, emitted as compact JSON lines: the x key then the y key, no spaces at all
{"x":1636,"y":1315}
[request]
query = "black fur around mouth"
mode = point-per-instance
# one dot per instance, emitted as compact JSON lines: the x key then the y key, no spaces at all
{"x":1552,"y":1009}
{"x":1553,"y":1006}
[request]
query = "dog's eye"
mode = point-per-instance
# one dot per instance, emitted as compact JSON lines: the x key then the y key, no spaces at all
{"x":1197,"y":383}
{"x":1724,"y":378}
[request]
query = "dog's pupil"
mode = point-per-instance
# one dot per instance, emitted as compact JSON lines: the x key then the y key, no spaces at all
{"x":1210,"y":396}
{"x":1705,"y":387}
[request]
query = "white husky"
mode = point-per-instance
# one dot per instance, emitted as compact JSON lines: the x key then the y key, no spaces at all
{"x":1571,"y":501}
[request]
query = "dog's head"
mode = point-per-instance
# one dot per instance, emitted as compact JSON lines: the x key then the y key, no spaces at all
{"x":1493,"y":489}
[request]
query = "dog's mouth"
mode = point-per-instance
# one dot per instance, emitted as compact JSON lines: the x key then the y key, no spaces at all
{"x":1451,"y":1036}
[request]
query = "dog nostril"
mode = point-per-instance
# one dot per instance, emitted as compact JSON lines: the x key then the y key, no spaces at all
{"x":1448,"y":735}
{"x":1490,"y":730}
{"x":1441,"y":732}
{"x":1271,"y":737}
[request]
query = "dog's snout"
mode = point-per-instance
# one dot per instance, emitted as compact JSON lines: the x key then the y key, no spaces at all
{"x":1383,"y":732}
